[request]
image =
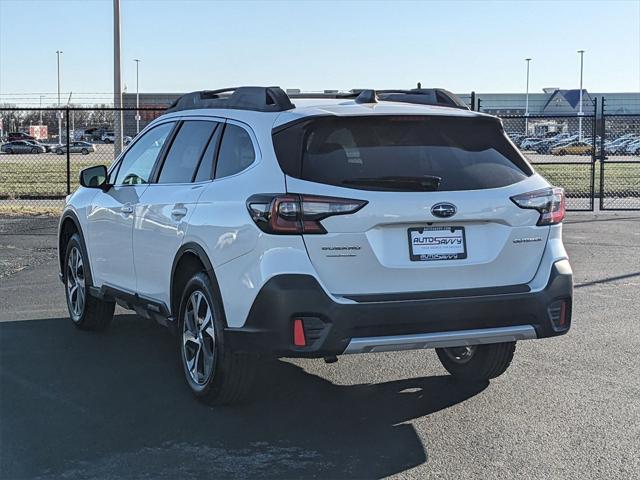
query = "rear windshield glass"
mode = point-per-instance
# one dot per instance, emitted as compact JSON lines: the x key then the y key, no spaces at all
{"x":407,"y":153}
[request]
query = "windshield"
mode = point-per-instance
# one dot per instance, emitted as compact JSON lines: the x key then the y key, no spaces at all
{"x":401,"y":153}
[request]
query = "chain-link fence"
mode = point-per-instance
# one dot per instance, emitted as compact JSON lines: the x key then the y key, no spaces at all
{"x":620,"y":160}
{"x":43,"y":150}
{"x":593,"y":156}
{"x":563,"y":149}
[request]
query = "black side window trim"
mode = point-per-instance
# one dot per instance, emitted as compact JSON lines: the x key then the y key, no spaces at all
{"x":216,"y":136}
{"x":204,"y":150}
{"x":215,"y":167}
{"x":157,"y":168}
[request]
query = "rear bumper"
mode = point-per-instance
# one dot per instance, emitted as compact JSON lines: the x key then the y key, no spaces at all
{"x":332,"y":328}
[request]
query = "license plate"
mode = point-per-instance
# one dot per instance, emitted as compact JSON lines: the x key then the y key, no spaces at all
{"x":437,"y":243}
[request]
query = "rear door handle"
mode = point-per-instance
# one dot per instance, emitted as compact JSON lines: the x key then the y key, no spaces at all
{"x":126,"y":209}
{"x":178,"y":212}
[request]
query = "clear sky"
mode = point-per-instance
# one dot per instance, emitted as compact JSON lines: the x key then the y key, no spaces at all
{"x":194,"y":45}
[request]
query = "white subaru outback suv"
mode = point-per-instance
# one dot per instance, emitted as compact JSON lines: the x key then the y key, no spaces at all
{"x":370,"y":221}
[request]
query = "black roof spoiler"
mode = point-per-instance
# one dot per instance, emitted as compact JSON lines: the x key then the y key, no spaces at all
{"x":274,"y":99}
{"x":420,"y":96}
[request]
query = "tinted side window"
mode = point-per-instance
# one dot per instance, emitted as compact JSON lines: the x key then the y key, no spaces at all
{"x":186,"y":150}
{"x":236,"y":151}
{"x":137,"y":164}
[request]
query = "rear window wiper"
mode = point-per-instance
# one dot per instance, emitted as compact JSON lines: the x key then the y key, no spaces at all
{"x":426,"y":183}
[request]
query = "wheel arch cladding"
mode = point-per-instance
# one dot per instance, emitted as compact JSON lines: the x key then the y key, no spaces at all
{"x":190,"y":259}
{"x":69,"y":226}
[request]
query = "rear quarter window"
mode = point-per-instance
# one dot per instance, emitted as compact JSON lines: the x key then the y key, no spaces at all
{"x":236,"y":151}
{"x":401,"y":153}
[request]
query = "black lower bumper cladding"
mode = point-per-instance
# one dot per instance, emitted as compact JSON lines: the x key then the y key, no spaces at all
{"x":330,"y":326}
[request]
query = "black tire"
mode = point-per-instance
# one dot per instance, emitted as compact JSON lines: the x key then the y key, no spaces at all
{"x":92,"y":313}
{"x":59,"y":151}
{"x":231,"y":375}
{"x":484,"y":363}
{"x":35,"y":150}
{"x":9,"y":151}
{"x":85,"y":151}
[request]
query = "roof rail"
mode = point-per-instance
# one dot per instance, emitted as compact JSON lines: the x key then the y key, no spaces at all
{"x":260,"y":99}
{"x":274,"y":99}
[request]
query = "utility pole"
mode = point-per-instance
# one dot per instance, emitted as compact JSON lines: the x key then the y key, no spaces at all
{"x":117,"y":81}
{"x":526,"y":105}
{"x":73,"y":123}
{"x":58,"y":52}
{"x":41,"y":109}
{"x":137,"y":60}
{"x":580,"y":113}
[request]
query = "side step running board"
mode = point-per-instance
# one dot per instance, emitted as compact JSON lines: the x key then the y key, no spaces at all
{"x":439,"y":340}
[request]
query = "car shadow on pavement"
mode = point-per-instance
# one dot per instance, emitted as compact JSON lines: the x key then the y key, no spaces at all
{"x":84,"y":405}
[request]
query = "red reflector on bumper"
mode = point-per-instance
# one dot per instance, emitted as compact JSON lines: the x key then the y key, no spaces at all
{"x":563,"y":314}
{"x":298,"y":333}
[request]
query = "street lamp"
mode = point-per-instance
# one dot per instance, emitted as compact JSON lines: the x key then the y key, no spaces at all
{"x":58,"y":53}
{"x":117,"y":81}
{"x":137,"y":60}
{"x":581,"y":52}
{"x":526,"y":105}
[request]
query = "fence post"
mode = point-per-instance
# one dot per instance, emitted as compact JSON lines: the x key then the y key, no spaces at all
{"x":68,"y":150}
{"x":479,"y":101}
{"x":603,"y":130}
{"x":473,"y":100}
{"x":602,"y":152}
{"x":594,"y":155}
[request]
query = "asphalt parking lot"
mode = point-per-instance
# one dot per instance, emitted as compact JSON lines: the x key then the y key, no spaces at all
{"x":80,"y":405}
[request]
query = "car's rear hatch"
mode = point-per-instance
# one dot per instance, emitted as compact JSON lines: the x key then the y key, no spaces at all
{"x":438,"y":214}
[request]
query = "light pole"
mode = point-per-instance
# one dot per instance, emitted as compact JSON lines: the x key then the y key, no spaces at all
{"x":41,"y":96}
{"x":117,"y":81}
{"x":526,"y":105}
{"x":58,"y":52}
{"x":137,"y":60}
{"x":581,"y":52}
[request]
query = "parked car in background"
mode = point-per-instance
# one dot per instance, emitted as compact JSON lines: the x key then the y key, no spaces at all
{"x":108,"y":137}
{"x":618,"y":146}
{"x":13,"y":136}
{"x":517,"y":138}
{"x":575,"y":148}
{"x":76,"y":147}
{"x":528,"y":142}
{"x":633,"y":148}
{"x":21,"y":146}
{"x":547,"y":145}
{"x":47,"y":147}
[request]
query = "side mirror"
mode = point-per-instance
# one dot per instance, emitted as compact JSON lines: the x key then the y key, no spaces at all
{"x":94,"y":177}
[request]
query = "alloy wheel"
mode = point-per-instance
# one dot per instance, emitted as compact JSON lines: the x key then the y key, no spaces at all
{"x":75,"y":284}
{"x":198,"y":338}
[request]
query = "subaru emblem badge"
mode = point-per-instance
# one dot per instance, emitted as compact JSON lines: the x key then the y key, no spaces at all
{"x":443,"y":210}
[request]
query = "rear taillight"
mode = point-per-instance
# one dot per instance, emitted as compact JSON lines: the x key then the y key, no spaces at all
{"x":295,"y":214}
{"x":549,"y":202}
